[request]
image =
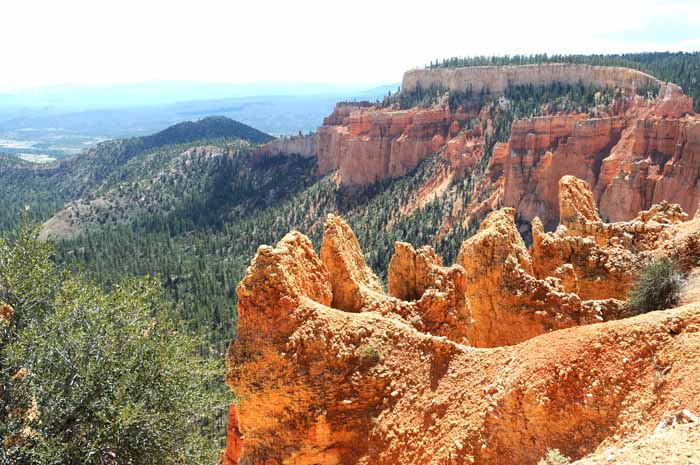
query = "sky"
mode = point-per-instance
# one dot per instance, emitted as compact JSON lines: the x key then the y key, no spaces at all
{"x":49,"y":42}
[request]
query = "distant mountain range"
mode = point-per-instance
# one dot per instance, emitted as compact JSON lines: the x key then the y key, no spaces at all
{"x":73,"y":97}
{"x":62,"y":120}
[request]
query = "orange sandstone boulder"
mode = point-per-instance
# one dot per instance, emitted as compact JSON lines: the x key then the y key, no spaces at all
{"x":437,"y":294}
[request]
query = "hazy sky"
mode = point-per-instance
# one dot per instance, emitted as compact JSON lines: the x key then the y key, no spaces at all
{"x":356,"y":41}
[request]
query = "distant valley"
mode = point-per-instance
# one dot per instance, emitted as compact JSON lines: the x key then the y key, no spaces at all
{"x":46,"y":124}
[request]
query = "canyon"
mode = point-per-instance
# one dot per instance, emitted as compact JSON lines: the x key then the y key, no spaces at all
{"x":513,"y":350}
{"x":636,"y":153}
{"x":496,"y":359}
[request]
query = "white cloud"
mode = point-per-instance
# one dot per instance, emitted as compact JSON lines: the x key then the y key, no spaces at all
{"x":98,"y":41}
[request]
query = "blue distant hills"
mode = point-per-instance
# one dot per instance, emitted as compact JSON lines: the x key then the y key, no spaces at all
{"x":60,"y":120}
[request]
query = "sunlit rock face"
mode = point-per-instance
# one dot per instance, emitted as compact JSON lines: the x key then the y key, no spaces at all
{"x":493,"y":360}
{"x":636,"y":154}
{"x":496,"y":79}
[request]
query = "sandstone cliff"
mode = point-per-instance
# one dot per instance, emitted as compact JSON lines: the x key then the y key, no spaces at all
{"x":370,"y":144}
{"x":544,"y":149}
{"x":381,"y":381}
{"x":644,"y":156}
{"x":298,"y":145}
{"x":634,"y":153}
{"x":496,"y":79}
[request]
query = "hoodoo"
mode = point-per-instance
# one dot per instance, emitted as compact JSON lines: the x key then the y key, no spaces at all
{"x":329,"y":369}
{"x":634,"y":153}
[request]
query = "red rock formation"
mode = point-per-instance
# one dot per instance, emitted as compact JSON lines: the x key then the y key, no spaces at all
{"x":672,"y":102}
{"x":544,"y":149}
{"x":509,"y":304}
{"x":601,"y":260}
{"x":648,"y":155}
{"x":234,"y":439}
{"x":353,"y":283}
{"x":366,"y":144}
{"x":464,"y":150}
{"x":318,"y":385}
{"x":437,"y":294}
{"x":663,"y":163}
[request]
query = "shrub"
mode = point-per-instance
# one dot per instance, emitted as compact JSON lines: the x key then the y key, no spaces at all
{"x":657,"y":288}
{"x":554,"y":457}
{"x":368,"y":354}
{"x":94,"y":377}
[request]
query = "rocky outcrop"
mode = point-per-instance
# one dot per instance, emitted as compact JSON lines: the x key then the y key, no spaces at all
{"x":367,"y":144}
{"x":496,"y":79}
{"x":464,"y":150}
{"x":642,"y":157}
{"x":431,"y":297}
{"x":661,"y":162}
{"x":601,"y":260}
{"x":672,"y":102}
{"x":576,"y":204}
{"x":509,"y":304}
{"x":636,"y":153}
{"x":304,"y":145}
{"x":375,"y":385}
{"x":544,"y":149}
{"x":353,"y":283}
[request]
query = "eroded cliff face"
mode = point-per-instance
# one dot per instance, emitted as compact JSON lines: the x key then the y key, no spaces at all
{"x":645,"y":155}
{"x":496,"y":79}
{"x":542,"y":150}
{"x":304,"y":145}
{"x":396,"y":378}
{"x":367,"y":144}
{"x":634,"y":154}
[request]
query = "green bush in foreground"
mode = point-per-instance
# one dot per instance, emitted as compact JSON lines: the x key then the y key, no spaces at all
{"x":657,"y":288}
{"x":95,"y":377}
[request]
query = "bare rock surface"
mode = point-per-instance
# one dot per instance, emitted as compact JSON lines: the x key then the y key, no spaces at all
{"x":494,"y":360}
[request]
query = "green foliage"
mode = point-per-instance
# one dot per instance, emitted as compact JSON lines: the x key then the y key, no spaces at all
{"x":95,"y":377}
{"x":368,"y":354}
{"x":658,"y":287}
{"x":48,"y":187}
{"x":199,"y":240}
{"x":554,"y":457}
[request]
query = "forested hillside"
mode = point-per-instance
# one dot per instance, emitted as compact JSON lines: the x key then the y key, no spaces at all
{"x":45,"y":188}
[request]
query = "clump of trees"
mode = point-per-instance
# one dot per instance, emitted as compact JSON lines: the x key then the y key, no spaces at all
{"x":89,"y":376}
